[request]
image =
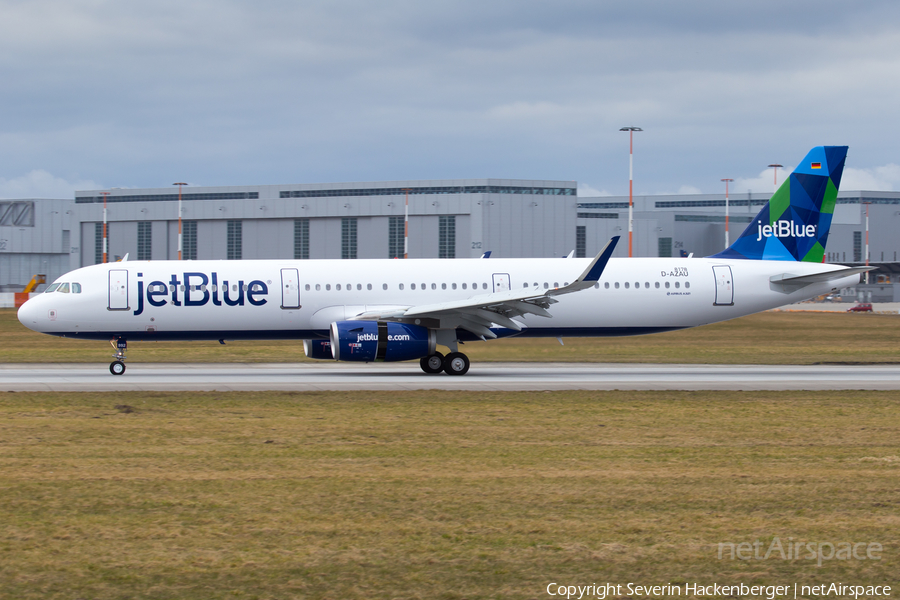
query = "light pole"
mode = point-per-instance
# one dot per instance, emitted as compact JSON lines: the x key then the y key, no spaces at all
{"x":105,"y":235}
{"x":775,"y":177}
{"x":867,"y":241}
{"x":180,"y":185}
{"x":406,"y":225}
{"x":727,"y":181}
{"x":630,"y":131}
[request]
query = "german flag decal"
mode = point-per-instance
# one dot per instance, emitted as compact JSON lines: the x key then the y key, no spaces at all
{"x":816,"y":165}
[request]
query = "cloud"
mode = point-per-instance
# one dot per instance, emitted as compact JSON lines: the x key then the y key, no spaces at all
{"x":876,"y":179}
{"x":586,"y":191}
{"x":41,"y":184}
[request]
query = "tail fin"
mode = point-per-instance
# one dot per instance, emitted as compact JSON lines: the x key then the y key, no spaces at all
{"x":794,"y":224}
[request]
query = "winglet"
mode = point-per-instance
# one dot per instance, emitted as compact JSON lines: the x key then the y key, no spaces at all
{"x":595,"y":269}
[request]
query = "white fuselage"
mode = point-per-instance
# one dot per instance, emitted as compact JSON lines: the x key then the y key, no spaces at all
{"x":294,"y":299}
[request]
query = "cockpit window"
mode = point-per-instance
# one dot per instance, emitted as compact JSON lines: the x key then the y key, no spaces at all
{"x":76,"y":288}
{"x":52,"y":288}
{"x":63,"y":288}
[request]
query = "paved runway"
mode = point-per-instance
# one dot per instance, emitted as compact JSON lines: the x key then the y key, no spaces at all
{"x":481,"y":377}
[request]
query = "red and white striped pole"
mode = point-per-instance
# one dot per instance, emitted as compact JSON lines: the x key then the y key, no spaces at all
{"x":726,"y":211}
{"x":630,"y":131}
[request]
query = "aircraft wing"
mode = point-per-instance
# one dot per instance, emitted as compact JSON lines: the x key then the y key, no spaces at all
{"x":478,"y":313}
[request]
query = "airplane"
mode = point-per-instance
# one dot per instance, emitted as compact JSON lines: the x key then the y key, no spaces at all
{"x":400,"y":310}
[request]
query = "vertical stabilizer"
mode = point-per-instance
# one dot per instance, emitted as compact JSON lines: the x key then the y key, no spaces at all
{"x":794,"y":224}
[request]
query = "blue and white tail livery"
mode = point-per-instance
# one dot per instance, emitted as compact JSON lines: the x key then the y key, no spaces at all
{"x":398,"y":310}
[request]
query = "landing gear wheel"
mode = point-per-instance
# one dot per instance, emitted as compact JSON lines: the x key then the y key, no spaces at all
{"x":117,"y":367}
{"x":432,"y":364}
{"x":456,"y":363}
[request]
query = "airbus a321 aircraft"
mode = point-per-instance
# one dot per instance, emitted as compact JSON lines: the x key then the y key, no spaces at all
{"x":397,"y":310}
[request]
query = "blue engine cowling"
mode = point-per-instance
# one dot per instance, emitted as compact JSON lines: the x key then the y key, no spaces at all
{"x":380,"y":341}
{"x":318,"y":349}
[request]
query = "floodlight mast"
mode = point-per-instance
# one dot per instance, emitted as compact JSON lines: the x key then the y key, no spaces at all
{"x":105,"y":235}
{"x":726,"y":211}
{"x":630,"y":131}
{"x":775,"y":176}
{"x":180,"y":185}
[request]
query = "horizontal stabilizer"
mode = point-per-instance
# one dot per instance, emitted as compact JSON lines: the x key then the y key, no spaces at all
{"x":801,"y":280}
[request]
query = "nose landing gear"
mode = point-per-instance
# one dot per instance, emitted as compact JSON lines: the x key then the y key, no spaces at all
{"x":117,"y":367}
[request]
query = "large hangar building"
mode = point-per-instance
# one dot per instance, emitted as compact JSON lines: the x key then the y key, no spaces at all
{"x":447,"y":219}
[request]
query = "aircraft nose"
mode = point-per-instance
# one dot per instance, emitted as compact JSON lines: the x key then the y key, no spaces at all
{"x":28,"y":314}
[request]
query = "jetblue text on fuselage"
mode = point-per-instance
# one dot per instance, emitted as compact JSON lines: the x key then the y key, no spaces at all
{"x":783,"y":229}
{"x":198,"y":289}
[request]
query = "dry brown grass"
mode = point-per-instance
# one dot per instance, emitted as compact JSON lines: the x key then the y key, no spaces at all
{"x":767,"y":338}
{"x":434,"y":494}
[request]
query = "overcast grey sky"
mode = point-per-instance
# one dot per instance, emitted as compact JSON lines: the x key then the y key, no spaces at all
{"x":142,"y":94}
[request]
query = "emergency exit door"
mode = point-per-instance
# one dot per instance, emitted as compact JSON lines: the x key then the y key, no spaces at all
{"x":501,"y":282}
{"x":118,"y":289}
{"x":724,"y":286}
{"x":290,"y":289}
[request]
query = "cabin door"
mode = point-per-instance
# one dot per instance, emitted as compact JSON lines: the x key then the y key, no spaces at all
{"x":290,"y":289}
{"x":724,"y":286}
{"x":118,"y":289}
{"x":501,"y":282}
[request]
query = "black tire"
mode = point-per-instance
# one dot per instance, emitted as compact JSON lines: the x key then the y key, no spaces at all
{"x":432,"y":364}
{"x":117,"y":367}
{"x":456,"y":363}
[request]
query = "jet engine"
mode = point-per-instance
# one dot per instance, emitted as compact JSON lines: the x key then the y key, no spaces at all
{"x":380,"y":341}
{"x":318,"y":349}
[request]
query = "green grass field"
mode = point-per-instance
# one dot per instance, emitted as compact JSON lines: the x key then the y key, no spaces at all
{"x":766,"y":338}
{"x":436,"y":494}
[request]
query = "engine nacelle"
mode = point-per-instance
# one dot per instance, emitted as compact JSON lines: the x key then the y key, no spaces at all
{"x":318,"y":349}
{"x":380,"y":341}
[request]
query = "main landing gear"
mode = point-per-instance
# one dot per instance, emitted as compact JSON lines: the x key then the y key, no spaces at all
{"x":117,"y":367}
{"x":455,"y":363}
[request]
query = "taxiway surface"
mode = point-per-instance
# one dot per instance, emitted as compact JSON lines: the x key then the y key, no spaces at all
{"x":481,"y":377}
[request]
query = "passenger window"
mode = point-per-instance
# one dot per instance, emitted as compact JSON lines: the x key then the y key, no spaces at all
{"x":233,"y":287}
{"x":556,"y":284}
{"x":606,"y":285}
{"x":401,"y":286}
{"x":327,"y":287}
{"x":464,"y":286}
{"x":453,"y":286}
{"x":627,"y":285}
{"x":337,"y":287}
{"x":687,"y":284}
{"x":597,"y":286}
{"x":443,"y":286}
{"x":52,"y":288}
{"x":637,"y":285}
{"x":412,"y":286}
{"x":647,"y":285}
{"x":667,"y":285}
{"x":434,"y":286}
{"x":524,"y":284}
{"x":677,"y":285}
{"x":474,"y":286}
{"x":63,"y":289}
{"x":657,"y":285}
{"x":384,"y":286}
{"x":307,"y":287}
{"x":359,"y":286}
{"x":546,"y":285}
{"x":369,"y":286}
{"x":617,"y":285}
{"x":349,"y":287}
{"x":484,"y":286}
{"x":182,"y":287}
{"x":318,"y":287}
